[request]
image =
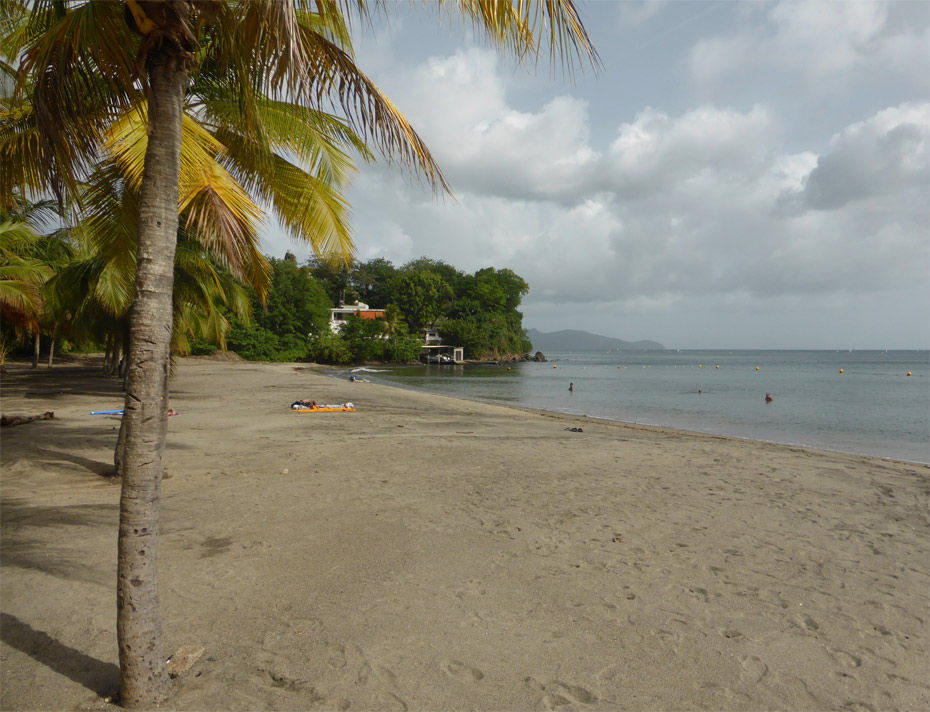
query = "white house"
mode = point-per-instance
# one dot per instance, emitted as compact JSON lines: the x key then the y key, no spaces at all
{"x":339,"y":315}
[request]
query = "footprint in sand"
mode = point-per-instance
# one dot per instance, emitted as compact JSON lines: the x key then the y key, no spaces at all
{"x":461,"y":671}
{"x":847,"y":659}
{"x":807,"y":623}
{"x":557,"y":695}
{"x":753,"y":669}
{"x":730,"y":633}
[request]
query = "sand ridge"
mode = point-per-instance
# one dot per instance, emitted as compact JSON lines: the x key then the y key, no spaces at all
{"x":430,"y":553}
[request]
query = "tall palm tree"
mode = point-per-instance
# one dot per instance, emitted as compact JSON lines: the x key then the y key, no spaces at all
{"x":87,"y":65}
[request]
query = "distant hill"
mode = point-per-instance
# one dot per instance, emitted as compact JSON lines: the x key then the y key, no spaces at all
{"x":574,"y":340}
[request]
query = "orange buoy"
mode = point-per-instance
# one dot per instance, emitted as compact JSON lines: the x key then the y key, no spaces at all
{"x":700,"y":366}
{"x":716,"y":366}
{"x":555,"y":367}
{"x":841,"y":370}
{"x":757,"y":368}
{"x":908,"y":373}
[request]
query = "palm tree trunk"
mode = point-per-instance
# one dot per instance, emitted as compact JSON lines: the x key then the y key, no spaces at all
{"x":108,"y":345}
{"x":144,"y":677}
{"x":35,"y":350}
{"x":51,"y":351}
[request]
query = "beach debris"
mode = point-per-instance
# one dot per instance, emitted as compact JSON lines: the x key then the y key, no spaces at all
{"x":171,"y":412}
{"x":575,"y":430}
{"x":617,"y":539}
{"x":7,"y":421}
{"x":183,"y":659}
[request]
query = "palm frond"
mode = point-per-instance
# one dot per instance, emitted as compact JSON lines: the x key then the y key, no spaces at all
{"x":221,"y":213}
{"x":22,"y":159}
{"x":113,"y":289}
{"x":17,"y":239}
{"x":312,"y":211}
{"x":23,"y":272}
{"x":127,"y":139}
{"x":82,"y":64}
{"x":526,"y":28}
{"x":317,"y":139}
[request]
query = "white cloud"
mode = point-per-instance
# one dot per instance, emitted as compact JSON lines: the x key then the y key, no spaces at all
{"x":458,"y":106}
{"x":656,"y":151}
{"x":827,"y":38}
{"x":817,"y":41}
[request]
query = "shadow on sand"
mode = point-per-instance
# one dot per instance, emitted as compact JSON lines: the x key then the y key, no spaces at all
{"x":97,"y":676}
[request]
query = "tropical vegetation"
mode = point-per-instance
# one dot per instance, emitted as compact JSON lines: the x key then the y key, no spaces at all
{"x":476,"y":311}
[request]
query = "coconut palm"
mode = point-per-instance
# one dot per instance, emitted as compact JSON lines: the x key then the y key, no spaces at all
{"x":21,"y":277}
{"x":29,"y":259}
{"x":87,"y":65}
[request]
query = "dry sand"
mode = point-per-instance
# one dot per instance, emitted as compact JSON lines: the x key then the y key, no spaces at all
{"x":428,"y":553}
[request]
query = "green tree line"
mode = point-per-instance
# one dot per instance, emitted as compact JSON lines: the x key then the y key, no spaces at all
{"x":65,"y":288}
{"x":476,"y":311}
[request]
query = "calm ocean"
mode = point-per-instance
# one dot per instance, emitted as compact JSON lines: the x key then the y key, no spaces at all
{"x":872,"y":408}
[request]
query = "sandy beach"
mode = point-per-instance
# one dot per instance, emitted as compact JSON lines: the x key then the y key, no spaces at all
{"x":428,"y":553}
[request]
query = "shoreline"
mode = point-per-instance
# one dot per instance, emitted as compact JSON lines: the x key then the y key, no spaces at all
{"x":431,"y":552}
{"x":332,"y":371}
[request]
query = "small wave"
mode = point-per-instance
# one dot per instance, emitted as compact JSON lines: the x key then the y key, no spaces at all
{"x":369,"y":370}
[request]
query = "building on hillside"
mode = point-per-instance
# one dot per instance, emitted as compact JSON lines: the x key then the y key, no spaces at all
{"x":339,"y":315}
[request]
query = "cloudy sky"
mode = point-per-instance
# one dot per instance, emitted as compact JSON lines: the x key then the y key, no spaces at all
{"x":739,"y":174}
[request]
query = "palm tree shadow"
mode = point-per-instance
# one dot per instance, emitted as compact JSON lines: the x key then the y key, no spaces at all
{"x":97,"y":676}
{"x":104,"y":469}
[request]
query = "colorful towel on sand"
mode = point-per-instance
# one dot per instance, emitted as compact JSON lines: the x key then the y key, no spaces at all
{"x":336,"y":408}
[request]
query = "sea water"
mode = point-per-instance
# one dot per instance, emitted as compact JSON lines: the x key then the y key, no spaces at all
{"x":850,"y":401}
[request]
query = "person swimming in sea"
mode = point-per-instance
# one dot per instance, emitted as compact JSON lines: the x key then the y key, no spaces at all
{"x":768,"y":398}
{"x":571,"y":387}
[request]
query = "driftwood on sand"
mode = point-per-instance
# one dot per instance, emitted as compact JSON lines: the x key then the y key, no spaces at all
{"x":10,"y":420}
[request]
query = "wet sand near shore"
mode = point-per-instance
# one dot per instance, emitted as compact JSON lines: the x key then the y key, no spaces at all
{"x":429,"y":553}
